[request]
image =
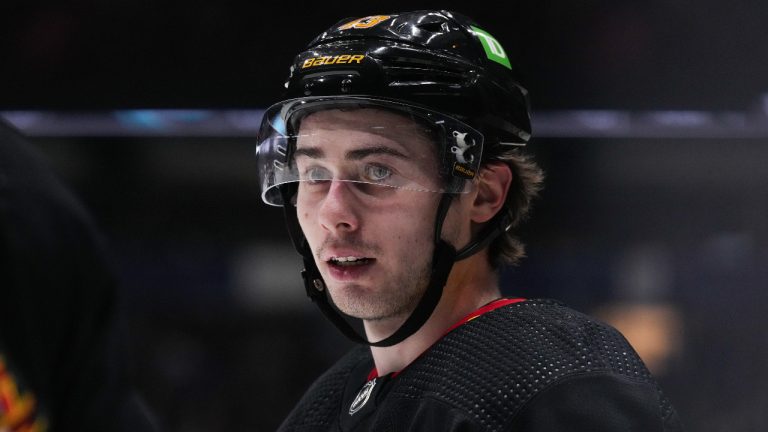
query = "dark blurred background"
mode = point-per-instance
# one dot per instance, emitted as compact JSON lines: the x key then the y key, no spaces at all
{"x":650,"y":118}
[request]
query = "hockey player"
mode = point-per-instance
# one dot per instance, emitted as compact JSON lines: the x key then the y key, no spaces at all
{"x":397,"y":157}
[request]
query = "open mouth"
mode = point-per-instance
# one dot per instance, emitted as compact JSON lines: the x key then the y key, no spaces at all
{"x":349,"y":261}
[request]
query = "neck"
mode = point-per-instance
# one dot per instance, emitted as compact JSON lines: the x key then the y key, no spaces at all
{"x":471,"y":284}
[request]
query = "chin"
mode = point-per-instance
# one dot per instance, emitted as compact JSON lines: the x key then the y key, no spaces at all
{"x":353,"y":303}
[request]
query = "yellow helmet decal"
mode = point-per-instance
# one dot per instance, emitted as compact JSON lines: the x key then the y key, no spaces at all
{"x":364,"y":23}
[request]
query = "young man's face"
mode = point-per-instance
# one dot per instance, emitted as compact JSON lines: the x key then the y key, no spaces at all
{"x":366,"y":203}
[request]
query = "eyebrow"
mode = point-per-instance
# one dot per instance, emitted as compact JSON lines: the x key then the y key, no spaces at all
{"x":310,"y":152}
{"x":356,"y":154}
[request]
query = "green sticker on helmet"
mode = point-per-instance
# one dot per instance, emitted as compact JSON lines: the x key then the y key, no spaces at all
{"x":492,"y":47}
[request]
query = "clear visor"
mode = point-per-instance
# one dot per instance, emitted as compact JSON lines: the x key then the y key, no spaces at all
{"x":376,"y":146}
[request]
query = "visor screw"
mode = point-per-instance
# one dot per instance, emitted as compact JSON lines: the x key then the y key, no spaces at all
{"x":345,"y":85}
{"x":318,"y":284}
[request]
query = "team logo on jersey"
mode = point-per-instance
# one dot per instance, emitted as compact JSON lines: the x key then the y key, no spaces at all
{"x":362,"y":397}
{"x":364,"y":23}
{"x":493,"y":49}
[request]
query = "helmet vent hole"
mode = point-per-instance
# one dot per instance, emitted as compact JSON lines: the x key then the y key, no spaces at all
{"x":346,"y":85}
{"x":434,"y":27}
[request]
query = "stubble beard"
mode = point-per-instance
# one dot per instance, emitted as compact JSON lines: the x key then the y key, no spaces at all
{"x":392,"y":298}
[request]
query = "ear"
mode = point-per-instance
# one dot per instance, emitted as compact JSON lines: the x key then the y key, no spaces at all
{"x":493,"y":185}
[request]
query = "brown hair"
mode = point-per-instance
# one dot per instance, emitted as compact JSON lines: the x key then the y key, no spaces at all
{"x":527,"y":181}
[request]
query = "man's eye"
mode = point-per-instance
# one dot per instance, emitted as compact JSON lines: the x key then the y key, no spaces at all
{"x":377,"y":173}
{"x":316,"y":175}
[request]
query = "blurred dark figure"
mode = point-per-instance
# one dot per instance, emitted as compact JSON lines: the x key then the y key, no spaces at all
{"x":63,"y":365}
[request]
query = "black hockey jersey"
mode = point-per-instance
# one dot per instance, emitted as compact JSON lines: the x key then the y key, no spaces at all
{"x":534,"y":365}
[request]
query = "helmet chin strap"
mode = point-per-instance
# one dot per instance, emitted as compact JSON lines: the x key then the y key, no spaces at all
{"x":498,"y":225}
{"x":443,"y":257}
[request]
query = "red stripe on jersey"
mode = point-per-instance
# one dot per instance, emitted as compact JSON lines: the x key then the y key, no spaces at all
{"x":479,"y":312}
{"x":485,"y":309}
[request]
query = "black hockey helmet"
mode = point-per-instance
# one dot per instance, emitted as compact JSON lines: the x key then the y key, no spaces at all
{"x":438,"y":67}
{"x":437,"y":59}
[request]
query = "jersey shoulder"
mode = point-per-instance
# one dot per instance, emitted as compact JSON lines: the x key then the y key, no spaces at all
{"x":492,"y":367}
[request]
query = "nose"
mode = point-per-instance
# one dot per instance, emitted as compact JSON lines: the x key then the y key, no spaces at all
{"x":339,"y":210}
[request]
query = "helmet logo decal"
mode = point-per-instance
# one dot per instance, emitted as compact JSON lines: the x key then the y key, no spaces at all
{"x":330,"y":60}
{"x":362,"y":396}
{"x":364,"y":23}
{"x":462,"y":167}
{"x":493,"y":49}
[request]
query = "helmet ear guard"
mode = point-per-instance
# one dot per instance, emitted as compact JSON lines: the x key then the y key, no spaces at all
{"x":431,"y":61}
